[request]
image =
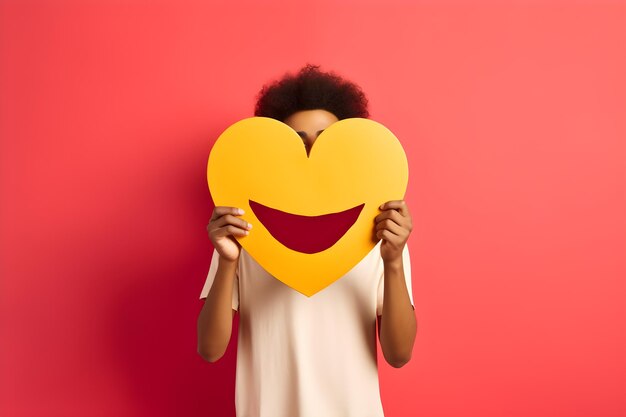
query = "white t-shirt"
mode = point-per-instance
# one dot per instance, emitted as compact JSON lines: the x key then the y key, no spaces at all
{"x":300,"y":356}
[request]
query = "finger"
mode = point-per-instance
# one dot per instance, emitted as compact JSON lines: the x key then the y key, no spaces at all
{"x":235,"y":221}
{"x":219,"y":211}
{"x":400,"y":220}
{"x":229,"y":230}
{"x":390,"y":238}
{"x":389,"y":214}
{"x":392,"y":226}
{"x":228,"y":220}
{"x":399,"y":205}
{"x":387,"y":236}
{"x":217,"y":223}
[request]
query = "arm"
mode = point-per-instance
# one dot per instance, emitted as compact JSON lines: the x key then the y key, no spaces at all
{"x":397,"y":325}
{"x":216,"y":317}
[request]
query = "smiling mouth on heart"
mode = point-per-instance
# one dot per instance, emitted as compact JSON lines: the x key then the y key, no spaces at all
{"x":306,"y":234}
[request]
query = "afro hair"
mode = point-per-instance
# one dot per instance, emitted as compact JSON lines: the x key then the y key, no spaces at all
{"x":311,"y":89}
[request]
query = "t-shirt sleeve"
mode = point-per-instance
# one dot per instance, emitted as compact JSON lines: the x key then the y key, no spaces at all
{"x":406,"y":262}
{"x":211,"y":276}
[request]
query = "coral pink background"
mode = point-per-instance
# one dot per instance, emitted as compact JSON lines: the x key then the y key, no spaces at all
{"x":513,"y":118}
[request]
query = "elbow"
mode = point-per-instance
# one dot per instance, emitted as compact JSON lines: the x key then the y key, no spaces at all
{"x":398,"y":360}
{"x":397,"y":354}
{"x":399,"y":363}
{"x":208,"y":355}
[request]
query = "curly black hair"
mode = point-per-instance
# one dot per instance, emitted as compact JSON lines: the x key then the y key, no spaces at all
{"x":311,"y":89}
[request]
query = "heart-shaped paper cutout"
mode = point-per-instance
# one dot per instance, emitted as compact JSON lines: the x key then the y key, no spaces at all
{"x":312,"y":217}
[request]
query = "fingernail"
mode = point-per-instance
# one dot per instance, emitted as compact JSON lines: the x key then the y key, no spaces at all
{"x":239,"y":211}
{"x":249,"y":225}
{"x":246,"y":232}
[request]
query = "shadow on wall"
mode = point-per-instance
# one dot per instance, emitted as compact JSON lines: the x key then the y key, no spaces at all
{"x":153,"y":341}
{"x":151,"y":320}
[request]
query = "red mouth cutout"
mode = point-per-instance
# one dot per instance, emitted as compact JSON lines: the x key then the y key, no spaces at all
{"x":306,"y":234}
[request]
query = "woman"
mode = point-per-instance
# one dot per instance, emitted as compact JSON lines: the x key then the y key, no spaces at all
{"x":299,"y":356}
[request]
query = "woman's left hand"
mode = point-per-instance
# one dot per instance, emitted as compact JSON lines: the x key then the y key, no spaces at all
{"x":393,"y":226}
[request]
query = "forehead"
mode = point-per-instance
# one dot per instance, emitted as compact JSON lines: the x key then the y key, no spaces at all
{"x":310,"y":120}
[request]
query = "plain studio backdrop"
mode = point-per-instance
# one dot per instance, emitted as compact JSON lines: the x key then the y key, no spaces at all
{"x":513,"y":120}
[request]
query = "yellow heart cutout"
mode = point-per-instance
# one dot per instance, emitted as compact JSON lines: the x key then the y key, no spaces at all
{"x":330,"y":197}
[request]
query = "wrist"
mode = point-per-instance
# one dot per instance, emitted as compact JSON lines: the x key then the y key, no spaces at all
{"x":226,"y":263}
{"x":394,"y":264}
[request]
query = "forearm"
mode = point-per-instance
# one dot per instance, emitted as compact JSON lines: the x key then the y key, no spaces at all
{"x":216,"y":317}
{"x":398,"y":325}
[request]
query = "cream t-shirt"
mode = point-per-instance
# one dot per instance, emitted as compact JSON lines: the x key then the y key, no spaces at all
{"x":300,"y":356}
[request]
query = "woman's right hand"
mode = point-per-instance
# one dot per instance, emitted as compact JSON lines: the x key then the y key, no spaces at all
{"x":222,"y":228}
